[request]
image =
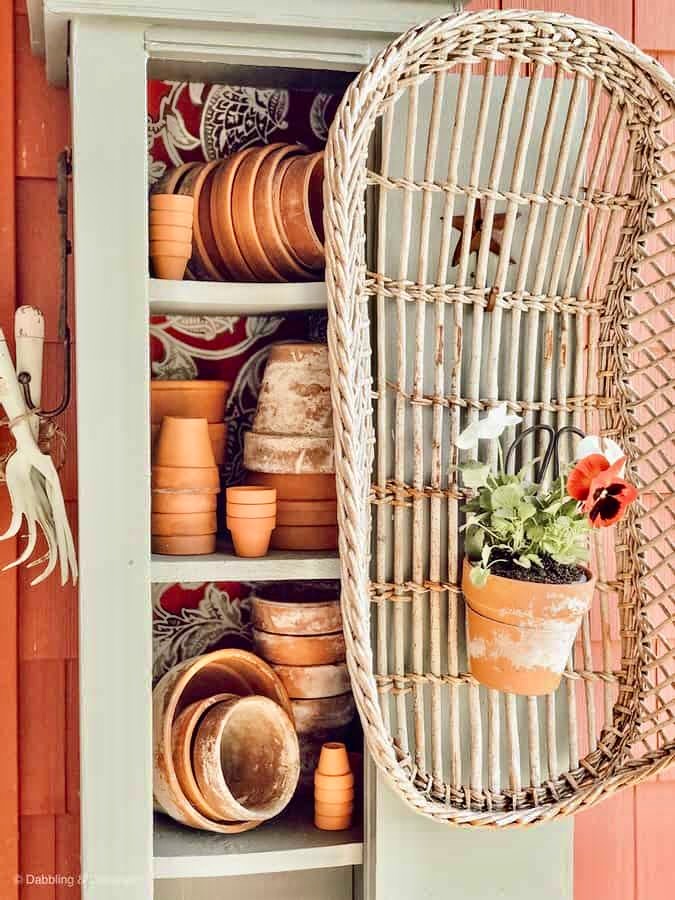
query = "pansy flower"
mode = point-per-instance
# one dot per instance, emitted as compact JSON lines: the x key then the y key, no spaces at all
{"x":599,"y":485}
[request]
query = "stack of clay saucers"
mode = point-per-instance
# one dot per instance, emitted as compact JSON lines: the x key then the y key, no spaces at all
{"x":258,"y":215}
{"x":226,"y":755}
{"x":298,"y":630}
{"x":171,"y":221}
{"x":292,"y":436}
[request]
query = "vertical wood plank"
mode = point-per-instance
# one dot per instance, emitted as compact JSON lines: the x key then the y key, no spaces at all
{"x":67,"y":855}
{"x":654,"y":828}
{"x":604,"y":849}
{"x":72,"y":738}
{"x":38,"y":857}
{"x":654,"y":24}
{"x":42,"y":736}
{"x":617,"y":15}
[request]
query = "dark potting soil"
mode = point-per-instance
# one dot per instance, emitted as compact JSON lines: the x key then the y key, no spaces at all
{"x":551,"y":572}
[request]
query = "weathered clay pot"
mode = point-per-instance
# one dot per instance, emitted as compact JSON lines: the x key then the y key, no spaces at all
{"x":246,"y":758}
{"x":251,"y":537}
{"x":183,"y":524}
{"x":223,"y":671}
{"x":184,"y":443}
{"x":183,"y":502}
{"x":310,"y":682}
{"x":231,"y":257}
{"x":171,"y":202}
{"x":300,"y":208}
{"x":308,"y":486}
{"x":302,"y":537}
{"x":323,"y":713}
{"x":217,"y":433}
{"x":293,"y":454}
{"x":250,"y":494}
{"x":197,"y":183}
{"x":294,"y":397}
{"x":188,"y":399}
{"x":301,"y":609}
{"x":178,"y":478}
{"x":334,"y":759}
{"x":307,"y":512}
{"x":292,"y":650}
{"x":184,"y":545}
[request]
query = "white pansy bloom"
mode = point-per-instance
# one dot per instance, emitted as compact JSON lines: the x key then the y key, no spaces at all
{"x":604,"y":446}
{"x":488,"y":428}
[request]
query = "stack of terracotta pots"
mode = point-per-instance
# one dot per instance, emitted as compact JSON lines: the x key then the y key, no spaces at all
{"x":291,"y":446}
{"x":298,"y":630}
{"x":226,"y":755}
{"x":251,"y":516}
{"x":257,"y":215}
{"x":333,"y":789}
{"x":188,"y":444}
{"x":171,"y":221}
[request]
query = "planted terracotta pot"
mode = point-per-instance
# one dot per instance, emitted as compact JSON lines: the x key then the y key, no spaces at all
{"x":178,"y":478}
{"x":246,"y":758}
{"x":184,"y":545}
{"x":183,"y":502}
{"x":288,"y":453}
{"x":223,"y":671}
{"x":301,"y":609}
{"x":302,"y":537}
{"x":308,"y":486}
{"x":229,"y":251}
{"x":250,"y":494}
{"x":184,"y":443}
{"x":307,"y":512}
{"x":293,"y":650}
{"x":171,"y":202}
{"x":294,"y":397}
{"x":188,"y":399}
{"x":180,"y":233}
{"x":334,"y":759}
{"x":205,"y":260}
{"x":251,"y":537}
{"x":251,"y":510}
{"x":217,"y":434}
{"x":301,"y":208}
{"x":175,"y":524}
{"x":310,"y":682}
{"x":159,"y":217}
{"x":323,"y":713}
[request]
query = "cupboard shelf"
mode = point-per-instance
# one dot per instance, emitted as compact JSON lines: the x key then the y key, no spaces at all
{"x":288,"y":843}
{"x":213,"y":298}
{"x":278,"y":565}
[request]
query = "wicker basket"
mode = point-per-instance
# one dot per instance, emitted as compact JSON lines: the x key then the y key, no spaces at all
{"x":500,"y":220}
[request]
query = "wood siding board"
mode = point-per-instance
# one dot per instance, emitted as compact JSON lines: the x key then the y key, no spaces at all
{"x":72,"y":737}
{"x":67,"y":853}
{"x":42,"y":736}
{"x":655,"y":24}
{"x":617,"y":15}
{"x":654,"y":829}
{"x":47,"y":618}
{"x":604,"y":849}
{"x":38,"y":857}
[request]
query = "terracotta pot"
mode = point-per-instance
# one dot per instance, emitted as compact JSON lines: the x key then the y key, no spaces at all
{"x":184,"y":545}
{"x":299,"y":537}
{"x":217,"y":434}
{"x":528,"y":603}
{"x":159,"y":217}
{"x":223,"y":671}
{"x":182,"y":734}
{"x":309,"y":682}
{"x":334,"y":784}
{"x":339,"y":823}
{"x":307,"y":512}
{"x":334,"y":810}
{"x":222,"y":217}
{"x":292,"y":650}
{"x":297,"y":487}
{"x":184,"y":443}
{"x":251,"y":510}
{"x":171,"y":179}
{"x":204,"y":262}
{"x":251,"y":537}
{"x":183,"y":502}
{"x":169,"y":259}
{"x":250,"y":494}
{"x":183,"y":524}
{"x":243,"y":219}
{"x":323,"y":713}
{"x":288,"y":453}
{"x":334,"y":796}
{"x":174,"y":478}
{"x":516,"y":659}
{"x":294,"y":610}
{"x":171,"y":202}
{"x":188,"y":399}
{"x":301,"y":208}
{"x":294,"y":397}
{"x":334,"y":759}
{"x":246,"y":758}
{"x":179,"y":233}
{"x":265,"y":201}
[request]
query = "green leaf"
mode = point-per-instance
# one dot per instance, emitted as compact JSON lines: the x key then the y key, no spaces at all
{"x":507,"y":496}
{"x":523,"y":561}
{"x":479,"y":576}
{"x":475,"y":474}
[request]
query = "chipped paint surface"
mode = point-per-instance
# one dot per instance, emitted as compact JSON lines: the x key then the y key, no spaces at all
{"x":527,"y":648}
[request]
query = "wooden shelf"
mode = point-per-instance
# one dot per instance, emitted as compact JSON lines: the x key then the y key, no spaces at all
{"x":212,"y":298}
{"x":278,"y":565}
{"x":288,"y":843}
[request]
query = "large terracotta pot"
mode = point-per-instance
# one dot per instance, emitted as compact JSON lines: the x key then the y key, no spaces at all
{"x":308,"y":486}
{"x":188,"y":399}
{"x":521,"y":633}
{"x":204,"y":262}
{"x":313,"y":682}
{"x":323,"y":714}
{"x":184,"y":443}
{"x":307,"y":650}
{"x":290,"y":454}
{"x":301,"y":609}
{"x":300,"y":208}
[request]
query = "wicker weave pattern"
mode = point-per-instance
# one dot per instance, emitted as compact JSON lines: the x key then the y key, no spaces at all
{"x":571,"y":140}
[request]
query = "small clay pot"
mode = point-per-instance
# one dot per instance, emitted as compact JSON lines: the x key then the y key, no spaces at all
{"x":171,"y":180}
{"x":184,"y":443}
{"x":334,"y":810}
{"x":250,"y":494}
{"x":176,"y":524}
{"x":178,"y":233}
{"x":246,"y":758}
{"x":334,"y":759}
{"x":222,"y":213}
{"x":323,"y":713}
{"x":300,"y":537}
{"x":301,"y":208}
{"x":288,"y":453}
{"x":172,"y":202}
{"x":161,"y":217}
{"x":251,"y":510}
{"x":169,"y":259}
{"x":338,"y":823}
{"x":203,"y":265}
{"x":183,"y":502}
{"x":310,"y":682}
{"x":292,"y":650}
{"x":307,"y":512}
{"x":297,"y":487}
{"x":517,"y":659}
{"x":333,"y":796}
{"x":251,"y":537}
{"x":175,"y":478}
{"x":334,"y":784}
{"x":188,"y":399}
{"x":184,"y":545}
{"x":292,"y":613}
{"x":217,"y":433}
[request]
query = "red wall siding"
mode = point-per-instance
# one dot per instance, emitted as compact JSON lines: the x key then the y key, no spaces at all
{"x":618,"y":846}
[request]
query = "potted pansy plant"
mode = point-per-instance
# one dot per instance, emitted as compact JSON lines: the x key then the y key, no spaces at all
{"x":525,"y":580}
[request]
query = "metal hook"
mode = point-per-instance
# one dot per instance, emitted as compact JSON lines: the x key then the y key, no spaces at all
{"x":63,"y":171}
{"x":552,"y":451}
